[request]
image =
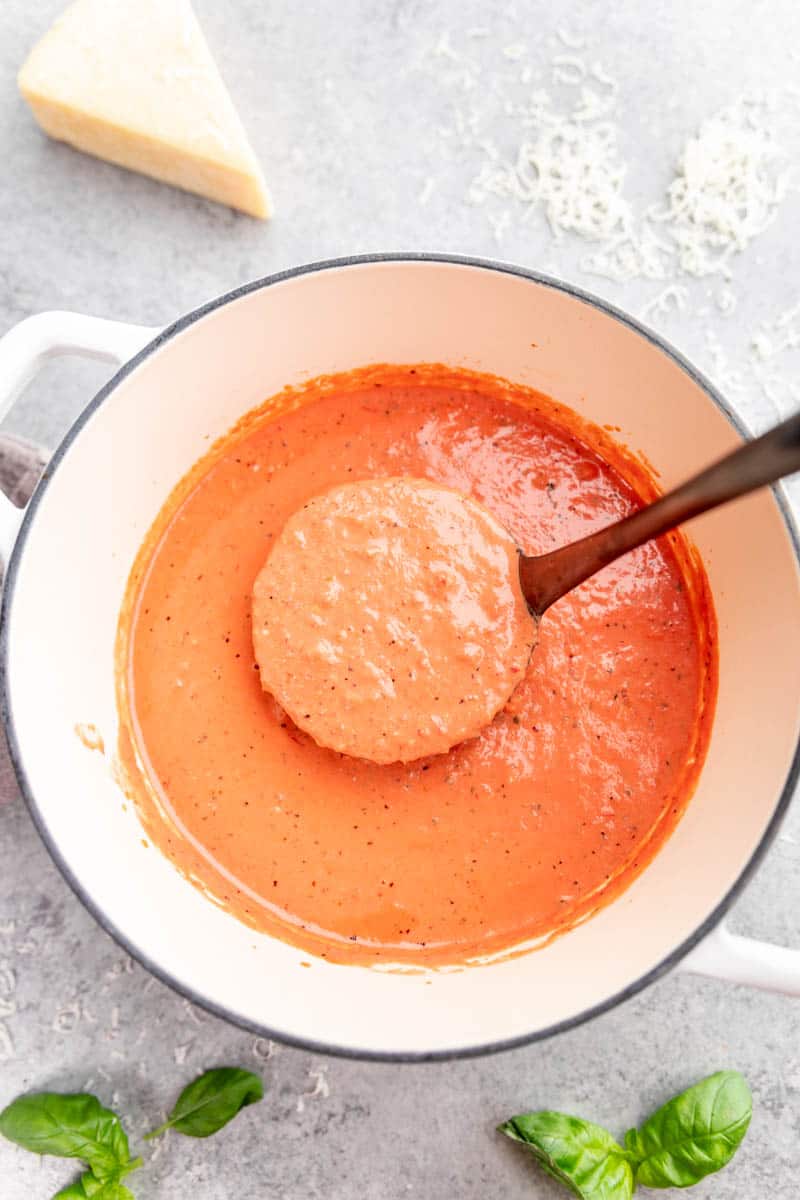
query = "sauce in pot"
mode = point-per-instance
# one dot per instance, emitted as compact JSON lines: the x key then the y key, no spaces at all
{"x":517,"y":834}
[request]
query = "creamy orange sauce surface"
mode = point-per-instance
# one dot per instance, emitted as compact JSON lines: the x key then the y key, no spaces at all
{"x":389,"y":620}
{"x":549,"y":813}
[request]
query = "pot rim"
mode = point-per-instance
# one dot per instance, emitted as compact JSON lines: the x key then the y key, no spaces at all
{"x":162,"y":973}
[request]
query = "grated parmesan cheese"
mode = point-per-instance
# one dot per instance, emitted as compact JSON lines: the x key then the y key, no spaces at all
{"x":770,"y":341}
{"x":570,"y":40}
{"x":729,"y":182}
{"x":727,"y":190}
{"x":726,"y":301}
{"x":779,"y":335}
{"x":321,"y":1088}
{"x":570,"y":167}
{"x":552,"y":155}
{"x":426,"y":191}
{"x":568,"y":68}
{"x":673,"y":298}
{"x":636,"y":254}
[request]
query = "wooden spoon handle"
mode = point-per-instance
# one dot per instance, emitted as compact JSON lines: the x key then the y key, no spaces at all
{"x":547,"y":577}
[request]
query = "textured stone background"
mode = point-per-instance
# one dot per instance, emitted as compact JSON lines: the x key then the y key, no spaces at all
{"x":345,"y":108}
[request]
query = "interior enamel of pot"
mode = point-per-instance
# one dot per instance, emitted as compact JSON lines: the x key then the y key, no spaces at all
{"x":158,"y":419}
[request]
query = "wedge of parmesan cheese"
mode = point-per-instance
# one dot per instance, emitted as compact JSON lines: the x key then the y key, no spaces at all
{"x":134,"y":82}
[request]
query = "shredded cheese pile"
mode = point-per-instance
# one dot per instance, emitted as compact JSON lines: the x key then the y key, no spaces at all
{"x":571,"y":167}
{"x":541,"y":142}
{"x":730,"y":177}
{"x":730,"y":183}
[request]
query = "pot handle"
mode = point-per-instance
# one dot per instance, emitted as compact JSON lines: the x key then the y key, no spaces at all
{"x":25,"y":348}
{"x":726,"y":955}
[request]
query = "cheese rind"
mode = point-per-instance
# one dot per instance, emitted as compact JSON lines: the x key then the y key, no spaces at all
{"x":135,"y":84}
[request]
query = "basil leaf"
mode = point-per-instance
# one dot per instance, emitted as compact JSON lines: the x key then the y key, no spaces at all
{"x":74,"y":1126}
{"x":694,"y":1134}
{"x":90,"y":1186}
{"x":211,"y":1101}
{"x":577,"y":1153}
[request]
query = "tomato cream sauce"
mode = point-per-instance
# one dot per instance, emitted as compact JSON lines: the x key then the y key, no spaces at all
{"x":389,"y":619}
{"x":512,"y":836}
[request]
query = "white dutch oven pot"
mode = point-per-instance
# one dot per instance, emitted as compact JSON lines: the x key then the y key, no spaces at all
{"x":70,"y":553}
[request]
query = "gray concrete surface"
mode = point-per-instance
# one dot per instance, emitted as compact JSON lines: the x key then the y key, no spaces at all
{"x":347,"y":112}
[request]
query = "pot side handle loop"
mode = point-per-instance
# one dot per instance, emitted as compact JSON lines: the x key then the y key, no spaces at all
{"x":27,"y":346}
{"x":726,"y":955}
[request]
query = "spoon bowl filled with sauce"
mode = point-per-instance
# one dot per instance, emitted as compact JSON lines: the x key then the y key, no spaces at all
{"x":362,"y":798}
{"x":389,"y":620}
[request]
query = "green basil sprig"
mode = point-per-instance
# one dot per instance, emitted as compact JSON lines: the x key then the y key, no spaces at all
{"x":78,"y":1126}
{"x":88,"y":1185}
{"x":688,"y":1138}
{"x":577,"y":1153}
{"x":211,"y":1101}
{"x":693,"y":1135}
